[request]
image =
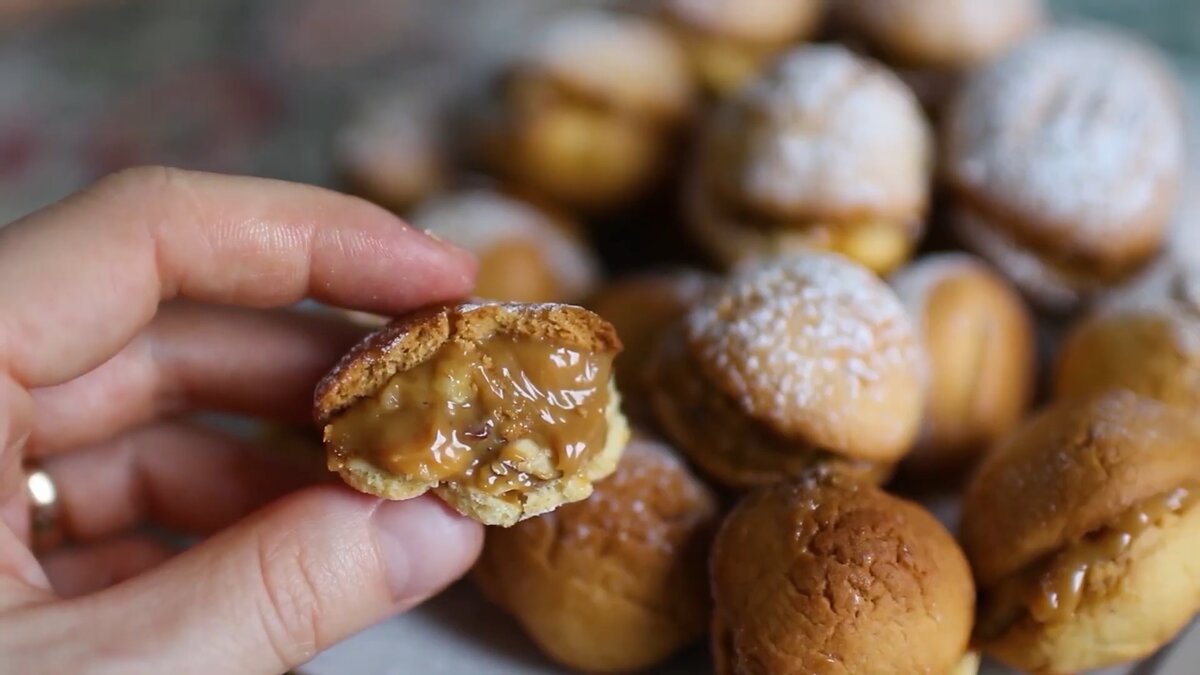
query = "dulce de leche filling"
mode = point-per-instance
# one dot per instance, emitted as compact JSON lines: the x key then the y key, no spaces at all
{"x":484,"y":414}
{"x":1052,"y":590}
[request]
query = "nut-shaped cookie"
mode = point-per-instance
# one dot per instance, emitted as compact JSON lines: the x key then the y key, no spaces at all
{"x":525,"y":254}
{"x":792,"y":362}
{"x":1082,"y":531}
{"x":828,"y":151}
{"x":729,"y":42}
{"x":588,"y":113}
{"x":1063,"y":160}
{"x":979,"y":342}
{"x":828,"y":576}
{"x":617,"y":582}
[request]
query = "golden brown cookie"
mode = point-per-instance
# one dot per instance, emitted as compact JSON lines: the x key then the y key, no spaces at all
{"x":948,"y":35}
{"x":1064,"y":159}
{"x":524,"y":253}
{"x":828,"y":151}
{"x":828,"y":576}
{"x":980,"y":345}
{"x":588,"y":113}
{"x":1146,"y":340}
{"x":393,"y":152}
{"x":1082,"y":530}
{"x":643,"y":308}
{"x":616,"y":583}
{"x":729,"y":42}
{"x":505,"y":411}
{"x":792,"y":362}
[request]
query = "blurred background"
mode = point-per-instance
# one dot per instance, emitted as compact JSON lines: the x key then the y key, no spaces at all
{"x":261,"y":86}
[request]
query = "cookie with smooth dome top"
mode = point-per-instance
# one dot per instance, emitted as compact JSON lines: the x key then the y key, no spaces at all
{"x":792,"y":362}
{"x":506,"y":411}
{"x":830,"y":576}
{"x":829,"y":151}
{"x":1064,"y":160}
{"x":979,"y":339}
{"x":618,"y":582}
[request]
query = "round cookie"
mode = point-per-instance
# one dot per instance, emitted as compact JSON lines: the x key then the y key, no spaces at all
{"x":829,"y":576}
{"x":946,"y":35}
{"x":828,"y":151}
{"x":643,"y":308}
{"x":729,"y":42}
{"x":980,"y":345}
{"x":588,"y":113}
{"x":506,"y":411}
{"x":1145,"y":339}
{"x":615,"y":583}
{"x":524,"y":253}
{"x":792,"y":362}
{"x":1082,"y":531}
{"x":392,"y":152}
{"x":1063,"y":160}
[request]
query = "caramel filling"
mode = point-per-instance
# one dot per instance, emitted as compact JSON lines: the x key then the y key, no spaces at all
{"x":458,"y":417}
{"x":1051,"y":591}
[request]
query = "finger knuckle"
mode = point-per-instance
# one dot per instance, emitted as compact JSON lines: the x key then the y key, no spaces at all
{"x":292,"y":597}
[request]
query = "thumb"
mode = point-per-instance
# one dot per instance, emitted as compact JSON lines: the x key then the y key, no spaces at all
{"x":277,"y":588}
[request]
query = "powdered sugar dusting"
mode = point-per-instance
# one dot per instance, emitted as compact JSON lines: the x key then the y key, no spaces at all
{"x":617,"y":57}
{"x":834,"y":132}
{"x":479,"y":219}
{"x":1078,"y":131}
{"x":803,"y":332}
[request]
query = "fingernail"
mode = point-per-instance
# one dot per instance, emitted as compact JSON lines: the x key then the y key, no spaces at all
{"x":425,"y":546}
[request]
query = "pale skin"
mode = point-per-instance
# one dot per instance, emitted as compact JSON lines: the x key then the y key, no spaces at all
{"x":149,"y":296}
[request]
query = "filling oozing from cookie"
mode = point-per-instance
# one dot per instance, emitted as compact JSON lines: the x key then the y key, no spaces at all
{"x":502,"y":415}
{"x":1050,"y":591}
{"x":728,"y":443}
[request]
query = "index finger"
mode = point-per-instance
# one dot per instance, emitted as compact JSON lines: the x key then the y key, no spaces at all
{"x":79,"y":279}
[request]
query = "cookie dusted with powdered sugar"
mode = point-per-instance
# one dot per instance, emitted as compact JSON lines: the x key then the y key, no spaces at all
{"x":797,"y":361}
{"x":829,"y":151}
{"x":1064,"y":160}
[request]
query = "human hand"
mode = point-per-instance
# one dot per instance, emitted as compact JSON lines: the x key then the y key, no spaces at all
{"x":100,"y":353}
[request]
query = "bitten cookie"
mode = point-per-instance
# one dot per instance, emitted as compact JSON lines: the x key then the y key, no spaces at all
{"x":505,"y":411}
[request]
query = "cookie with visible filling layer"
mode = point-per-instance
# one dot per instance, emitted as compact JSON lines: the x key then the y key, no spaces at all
{"x":828,"y":151}
{"x":506,"y":411}
{"x":1084,"y":536}
{"x":1064,"y":159}
{"x":792,"y":362}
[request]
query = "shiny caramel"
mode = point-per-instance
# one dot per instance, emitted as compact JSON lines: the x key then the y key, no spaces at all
{"x":1051,"y":592}
{"x":483,"y":413}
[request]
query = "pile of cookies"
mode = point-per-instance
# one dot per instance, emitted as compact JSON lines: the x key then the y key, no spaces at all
{"x":749,"y":271}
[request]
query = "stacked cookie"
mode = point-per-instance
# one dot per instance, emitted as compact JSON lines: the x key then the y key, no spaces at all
{"x":868,"y":251}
